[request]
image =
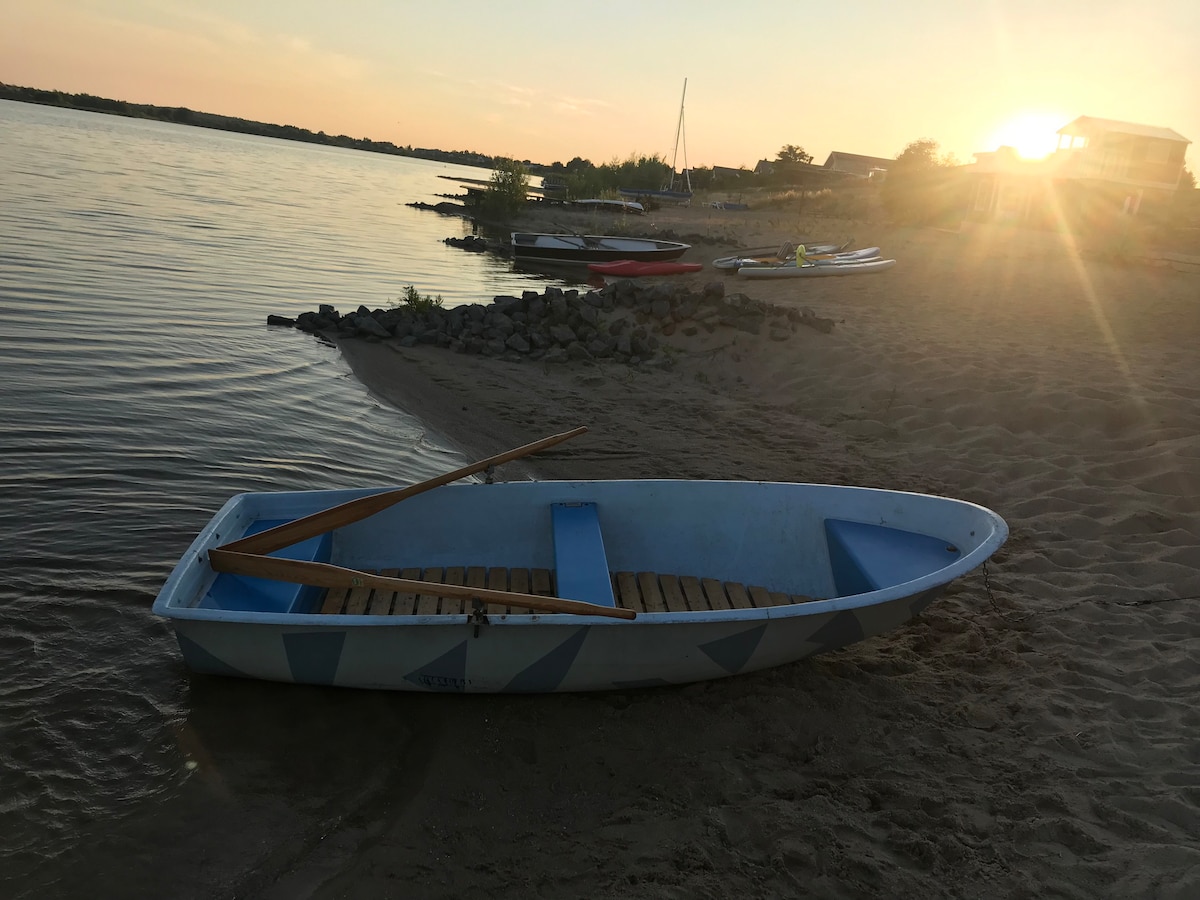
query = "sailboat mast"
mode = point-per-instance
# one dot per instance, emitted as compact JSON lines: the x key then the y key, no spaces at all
{"x":678,"y":133}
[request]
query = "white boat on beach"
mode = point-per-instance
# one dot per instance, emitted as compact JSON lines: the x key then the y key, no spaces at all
{"x":776,"y":255}
{"x":818,"y":268}
{"x":558,"y":585}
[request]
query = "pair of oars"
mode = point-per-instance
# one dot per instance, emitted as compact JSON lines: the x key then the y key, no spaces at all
{"x":246,"y":556}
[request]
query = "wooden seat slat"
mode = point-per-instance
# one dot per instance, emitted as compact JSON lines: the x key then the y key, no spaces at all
{"x":381,"y":600}
{"x":715,"y":592}
{"x":335,"y":601}
{"x":541,"y":582}
{"x":694,"y":593}
{"x":406,"y":601}
{"x":453,"y":605}
{"x":652,"y":598}
{"x":673,"y":593}
{"x":497,"y":580}
{"x":738,"y":598}
{"x":358,"y":598}
{"x":759,"y":596}
{"x":629,"y":592}
{"x":429,"y":604}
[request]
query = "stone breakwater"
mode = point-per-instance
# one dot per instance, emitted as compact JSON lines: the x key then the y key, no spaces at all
{"x":626,"y":321}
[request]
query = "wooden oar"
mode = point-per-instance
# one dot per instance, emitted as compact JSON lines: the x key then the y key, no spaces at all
{"x":335,"y":517}
{"x":329,"y":576}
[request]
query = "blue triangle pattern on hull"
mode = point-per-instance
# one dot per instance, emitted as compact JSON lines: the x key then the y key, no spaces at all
{"x":200,"y":660}
{"x":548,"y":672}
{"x":840,"y":631}
{"x":313,"y":657}
{"x":446,"y":673}
{"x":733,"y":652}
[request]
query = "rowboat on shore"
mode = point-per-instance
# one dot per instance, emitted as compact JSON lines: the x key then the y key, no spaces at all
{"x":558,"y":585}
{"x":587,"y":248}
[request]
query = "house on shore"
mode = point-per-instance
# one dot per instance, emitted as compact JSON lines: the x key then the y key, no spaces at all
{"x":856,"y":164}
{"x":1101,"y":168}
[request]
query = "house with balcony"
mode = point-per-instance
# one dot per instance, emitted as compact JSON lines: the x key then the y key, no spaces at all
{"x":858,"y":164}
{"x":1101,"y":168}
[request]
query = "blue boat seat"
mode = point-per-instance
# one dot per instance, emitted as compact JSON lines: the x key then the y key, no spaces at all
{"x":869,"y":557}
{"x":580,"y":563}
{"x":242,"y":592}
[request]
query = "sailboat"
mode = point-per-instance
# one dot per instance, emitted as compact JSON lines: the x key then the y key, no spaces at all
{"x":684,"y":193}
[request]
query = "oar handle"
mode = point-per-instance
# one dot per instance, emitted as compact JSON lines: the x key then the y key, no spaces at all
{"x":328,"y":519}
{"x":223,"y":559}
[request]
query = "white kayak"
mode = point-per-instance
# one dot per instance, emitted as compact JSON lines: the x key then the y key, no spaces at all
{"x":773,"y":255}
{"x":817,"y":269}
{"x":758,"y":260}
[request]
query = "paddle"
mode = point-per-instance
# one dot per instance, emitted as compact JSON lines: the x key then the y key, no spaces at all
{"x":337,"y":516}
{"x":584,"y":239}
{"x":329,"y":576}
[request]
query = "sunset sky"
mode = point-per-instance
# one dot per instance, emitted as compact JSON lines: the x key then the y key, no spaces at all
{"x":549,"y":80}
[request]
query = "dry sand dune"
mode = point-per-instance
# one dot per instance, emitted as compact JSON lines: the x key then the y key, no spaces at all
{"x":1034,"y":733}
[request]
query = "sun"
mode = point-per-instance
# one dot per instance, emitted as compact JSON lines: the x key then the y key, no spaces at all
{"x":1032,"y":134}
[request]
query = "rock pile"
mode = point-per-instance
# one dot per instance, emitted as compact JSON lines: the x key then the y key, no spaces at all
{"x":626,"y":321}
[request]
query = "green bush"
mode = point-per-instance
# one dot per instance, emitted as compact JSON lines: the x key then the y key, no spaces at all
{"x":505,"y":196}
{"x":412,"y":299}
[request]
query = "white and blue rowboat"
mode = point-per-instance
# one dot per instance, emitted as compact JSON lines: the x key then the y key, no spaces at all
{"x":559,"y":585}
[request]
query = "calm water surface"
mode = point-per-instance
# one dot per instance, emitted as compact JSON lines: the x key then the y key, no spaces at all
{"x":139,"y":388}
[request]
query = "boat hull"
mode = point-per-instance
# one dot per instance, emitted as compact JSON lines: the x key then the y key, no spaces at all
{"x":768,"y":260}
{"x":871,"y":559}
{"x":626,"y":268}
{"x":818,"y":269}
{"x":587,"y":248}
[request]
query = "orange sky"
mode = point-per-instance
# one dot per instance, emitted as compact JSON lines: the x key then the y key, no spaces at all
{"x":549,"y":81}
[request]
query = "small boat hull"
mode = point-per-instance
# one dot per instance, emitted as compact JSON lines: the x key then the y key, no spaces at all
{"x":758,"y":574}
{"x":818,"y":269}
{"x":763,"y":260}
{"x":588,"y":248}
{"x":628,"y":268}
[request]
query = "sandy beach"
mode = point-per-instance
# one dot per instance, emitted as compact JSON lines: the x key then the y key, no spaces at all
{"x":1034,"y":733}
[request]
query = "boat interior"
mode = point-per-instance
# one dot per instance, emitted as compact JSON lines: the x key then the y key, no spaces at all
{"x":643,"y":592}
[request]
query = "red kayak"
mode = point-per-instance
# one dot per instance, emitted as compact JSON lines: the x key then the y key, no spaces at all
{"x":629,"y":268}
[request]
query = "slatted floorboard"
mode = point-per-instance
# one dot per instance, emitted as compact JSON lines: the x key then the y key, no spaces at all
{"x":643,"y":592}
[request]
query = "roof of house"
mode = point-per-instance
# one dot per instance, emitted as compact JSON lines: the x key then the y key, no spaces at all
{"x":1085,"y":125}
{"x":876,"y":161}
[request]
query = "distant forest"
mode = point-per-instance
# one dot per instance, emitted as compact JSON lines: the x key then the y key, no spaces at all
{"x":181,"y":115}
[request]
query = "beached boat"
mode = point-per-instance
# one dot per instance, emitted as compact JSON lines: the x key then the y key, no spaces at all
{"x":586,"y":248}
{"x":818,"y":268}
{"x":599,"y":205}
{"x":559,"y":585}
{"x":631,"y":268}
{"x":777,"y":255}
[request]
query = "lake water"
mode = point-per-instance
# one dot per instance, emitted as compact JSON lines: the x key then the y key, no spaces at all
{"x":139,"y":388}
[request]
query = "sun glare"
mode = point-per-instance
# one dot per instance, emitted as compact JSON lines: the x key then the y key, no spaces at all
{"x":1032,"y":135}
